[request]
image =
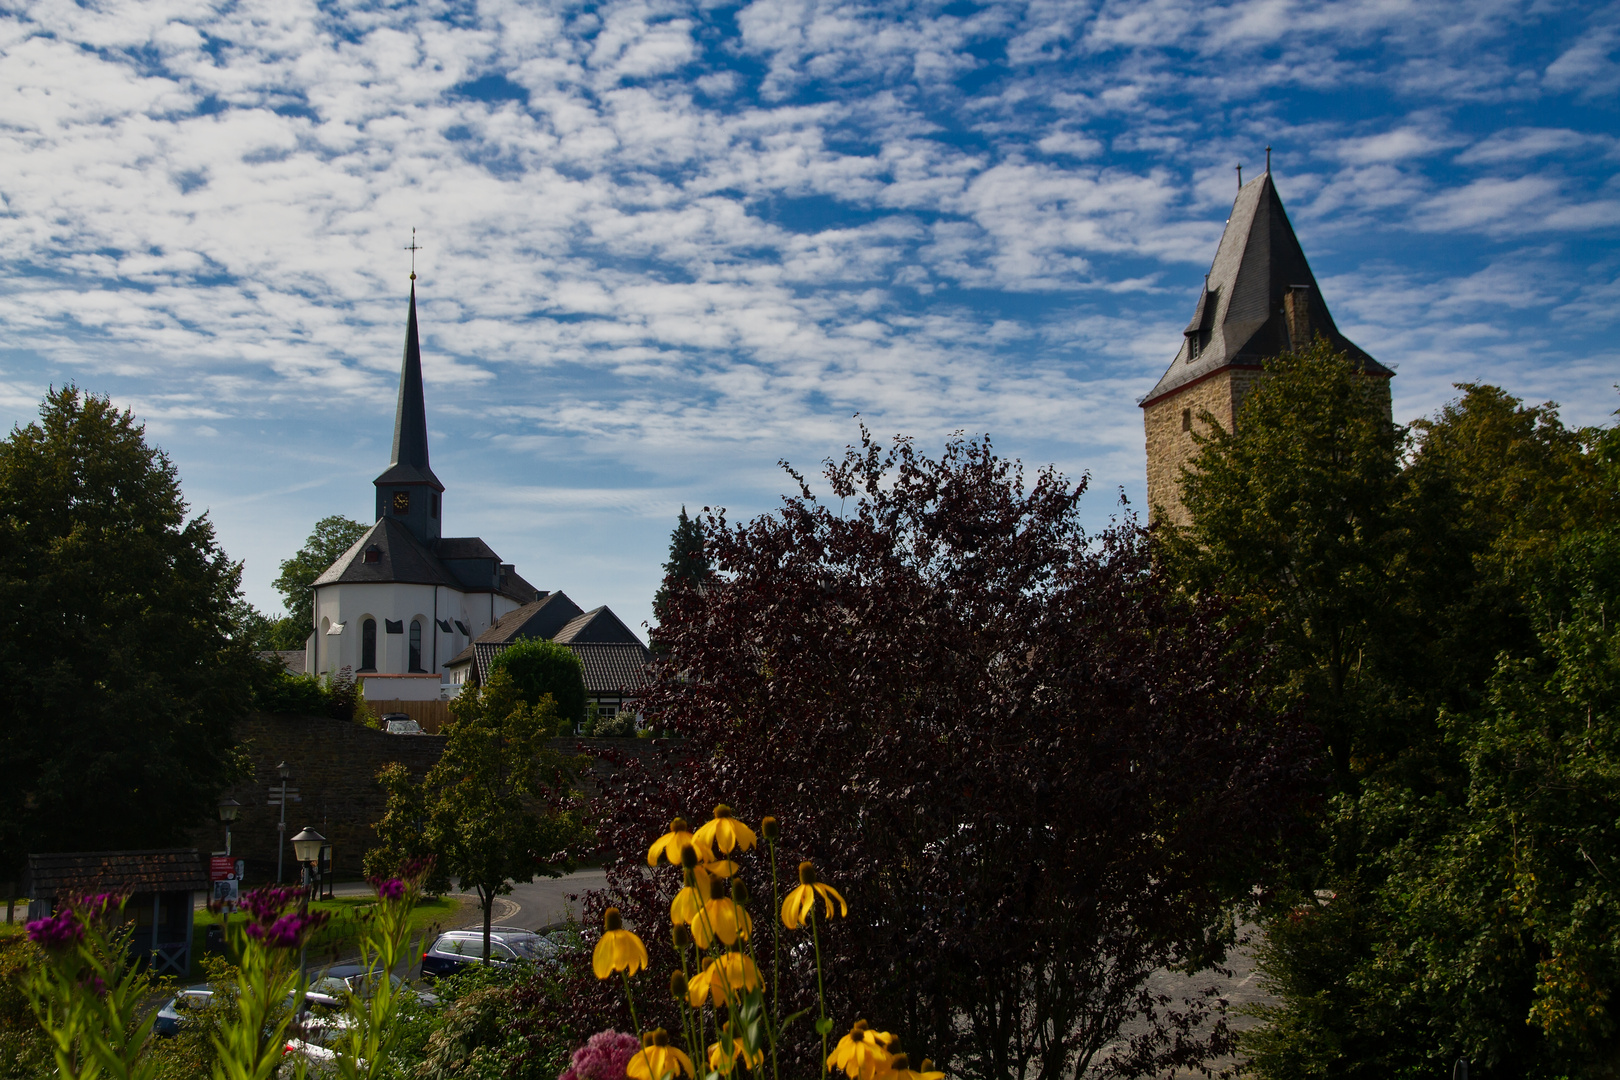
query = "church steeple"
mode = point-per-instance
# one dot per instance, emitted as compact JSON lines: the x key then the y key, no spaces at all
{"x":407,"y":490}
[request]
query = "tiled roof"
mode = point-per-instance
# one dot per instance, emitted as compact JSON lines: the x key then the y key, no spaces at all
{"x":464,"y":547}
{"x":596,"y":625}
{"x":400,"y":558}
{"x":1239,"y":314}
{"x":291,"y":659}
{"x":613,"y":667}
{"x":610,"y":668}
{"x":160,"y":870}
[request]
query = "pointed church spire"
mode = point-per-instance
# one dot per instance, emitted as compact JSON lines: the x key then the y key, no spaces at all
{"x":407,"y":489}
{"x":410,"y":415}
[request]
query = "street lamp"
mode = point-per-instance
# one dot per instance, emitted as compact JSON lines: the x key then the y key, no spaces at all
{"x":285,"y":772}
{"x":307,"y":849}
{"x":227,"y":814}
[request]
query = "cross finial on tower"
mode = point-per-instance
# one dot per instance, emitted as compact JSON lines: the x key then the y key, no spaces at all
{"x":1240,"y":175}
{"x":413,"y":249}
{"x":1268,"y":159}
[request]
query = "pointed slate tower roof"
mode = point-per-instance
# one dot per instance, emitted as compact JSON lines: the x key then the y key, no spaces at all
{"x":409,"y":464}
{"x":1259,"y":299}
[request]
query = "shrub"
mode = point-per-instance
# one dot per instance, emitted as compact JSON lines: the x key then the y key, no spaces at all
{"x":539,"y":667}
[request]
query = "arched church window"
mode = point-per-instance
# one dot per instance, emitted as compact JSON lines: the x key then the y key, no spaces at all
{"x":368,"y":645}
{"x":1186,"y":419}
{"x":416,"y":645}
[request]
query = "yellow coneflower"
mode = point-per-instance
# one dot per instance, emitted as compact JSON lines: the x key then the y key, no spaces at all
{"x":669,"y":845}
{"x":658,"y":1059}
{"x":802,"y":901}
{"x":689,"y":901}
{"x":723,"y":835}
{"x":619,"y":949}
{"x":720,"y":868}
{"x":721,"y":917}
{"x":728,"y":974}
{"x":723,"y":1061}
{"x":900,"y":1069}
{"x":862,"y":1054}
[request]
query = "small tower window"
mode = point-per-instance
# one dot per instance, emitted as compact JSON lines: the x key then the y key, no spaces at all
{"x":416,"y":645}
{"x":1186,"y":419}
{"x":433,"y":506}
{"x":1194,"y":347}
{"x":368,"y":645}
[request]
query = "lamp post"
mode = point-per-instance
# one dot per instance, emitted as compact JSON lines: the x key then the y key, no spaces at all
{"x":285,"y":772}
{"x":307,"y":849}
{"x":227,"y":814}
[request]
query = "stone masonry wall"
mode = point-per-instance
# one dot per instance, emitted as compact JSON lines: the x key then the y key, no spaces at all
{"x":1169,"y":447}
{"x":334,"y":765}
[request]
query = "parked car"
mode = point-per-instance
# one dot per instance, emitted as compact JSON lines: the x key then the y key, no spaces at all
{"x":456,"y":949}
{"x":314,"y":1031}
{"x":342,"y":979}
{"x":398,"y":723}
{"x":173,"y":1016}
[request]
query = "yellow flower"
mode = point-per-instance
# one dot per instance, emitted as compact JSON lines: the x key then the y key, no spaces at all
{"x":900,"y":1069}
{"x":723,"y":1061}
{"x":862,"y":1054}
{"x":727,"y":975}
{"x":689,"y":901}
{"x":802,"y":901}
{"x":658,"y":1059}
{"x":721,"y":917}
{"x":619,"y":949}
{"x":723,"y":835}
{"x":720,"y":868}
{"x":669,"y":845}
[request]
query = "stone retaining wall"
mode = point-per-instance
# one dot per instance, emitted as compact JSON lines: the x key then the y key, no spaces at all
{"x":334,"y":765}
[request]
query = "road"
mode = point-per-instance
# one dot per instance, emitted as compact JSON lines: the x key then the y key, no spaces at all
{"x":544,"y":901}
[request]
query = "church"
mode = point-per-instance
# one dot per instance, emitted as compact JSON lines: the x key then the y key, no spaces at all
{"x":1259,"y":300}
{"x":417,"y":615}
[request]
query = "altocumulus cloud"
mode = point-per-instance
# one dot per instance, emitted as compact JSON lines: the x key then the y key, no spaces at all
{"x":667,"y":243}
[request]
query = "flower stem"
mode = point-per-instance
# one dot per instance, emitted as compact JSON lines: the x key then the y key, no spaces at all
{"x":821,"y":990}
{"x":631,"y":998}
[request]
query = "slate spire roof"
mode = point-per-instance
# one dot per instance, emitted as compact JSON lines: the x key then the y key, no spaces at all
{"x":409,"y":463}
{"x":1259,"y":298}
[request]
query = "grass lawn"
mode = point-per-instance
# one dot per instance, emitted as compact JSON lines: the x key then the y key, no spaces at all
{"x":336,"y":940}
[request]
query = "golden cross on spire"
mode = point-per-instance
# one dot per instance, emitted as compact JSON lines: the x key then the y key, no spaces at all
{"x":413,"y":249}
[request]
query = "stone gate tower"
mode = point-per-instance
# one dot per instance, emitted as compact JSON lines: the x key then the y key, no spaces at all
{"x":1259,"y":300}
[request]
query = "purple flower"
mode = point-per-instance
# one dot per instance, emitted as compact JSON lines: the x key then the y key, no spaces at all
{"x":288,"y":931}
{"x":603,"y":1057}
{"x":392,"y":889}
{"x":58,"y":933}
{"x":265,"y":905}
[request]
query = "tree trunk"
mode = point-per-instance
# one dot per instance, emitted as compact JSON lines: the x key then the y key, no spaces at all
{"x":487,"y":896}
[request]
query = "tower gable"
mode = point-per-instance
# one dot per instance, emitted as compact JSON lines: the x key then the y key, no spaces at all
{"x":1259,"y":300}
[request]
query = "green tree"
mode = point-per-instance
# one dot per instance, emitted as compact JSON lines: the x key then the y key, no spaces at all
{"x":689,"y":563}
{"x":120,"y":670}
{"x":1295,"y":520}
{"x":539,"y":668}
{"x":332,"y":536}
{"x":496,"y":808}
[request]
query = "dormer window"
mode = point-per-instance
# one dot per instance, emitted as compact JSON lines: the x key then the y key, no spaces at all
{"x":1193,"y":347}
{"x":373,"y":554}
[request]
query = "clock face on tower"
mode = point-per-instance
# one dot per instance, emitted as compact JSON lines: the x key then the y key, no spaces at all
{"x":402,"y":502}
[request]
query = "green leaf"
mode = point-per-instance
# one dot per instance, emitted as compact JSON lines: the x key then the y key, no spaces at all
{"x":824,"y":1026}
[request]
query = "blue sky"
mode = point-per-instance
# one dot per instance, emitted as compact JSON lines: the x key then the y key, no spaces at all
{"x":668,"y":243}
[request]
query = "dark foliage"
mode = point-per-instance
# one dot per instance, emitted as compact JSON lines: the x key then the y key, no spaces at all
{"x":1036,"y":775}
{"x":689,"y":563}
{"x":119,"y":662}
